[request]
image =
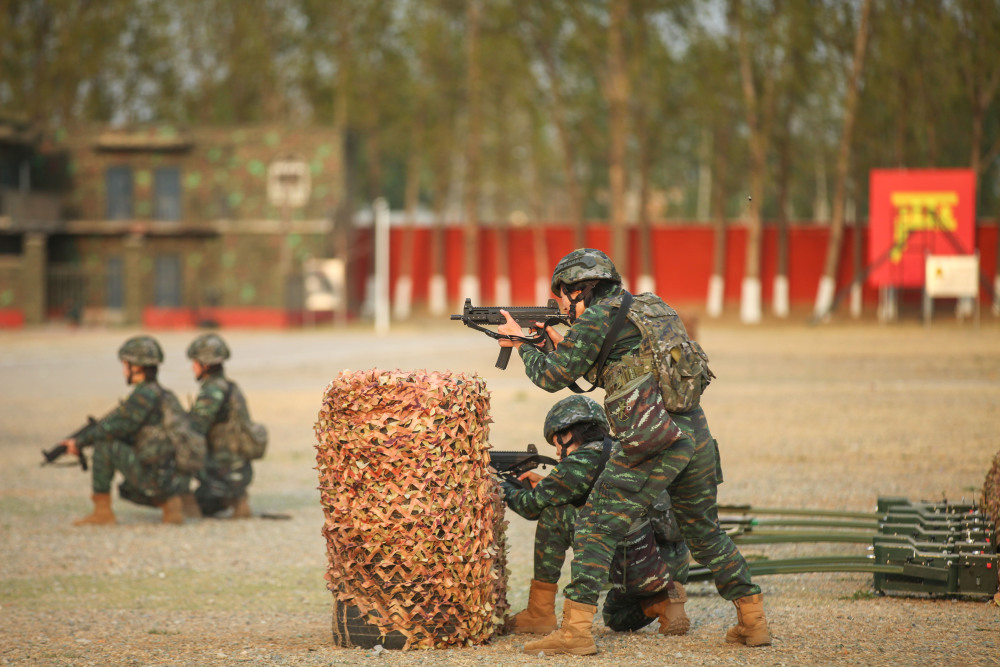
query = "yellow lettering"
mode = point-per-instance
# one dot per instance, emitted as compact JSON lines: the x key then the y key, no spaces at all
{"x":920,"y":211}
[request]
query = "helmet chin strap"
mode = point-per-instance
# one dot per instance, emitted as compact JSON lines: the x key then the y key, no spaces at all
{"x":579,"y":298}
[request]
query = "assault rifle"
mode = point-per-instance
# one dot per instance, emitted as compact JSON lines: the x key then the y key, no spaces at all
{"x":475,"y":317}
{"x":52,"y":454}
{"x":511,"y":465}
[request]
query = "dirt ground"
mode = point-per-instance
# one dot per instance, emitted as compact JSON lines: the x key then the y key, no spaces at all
{"x":829,"y":417}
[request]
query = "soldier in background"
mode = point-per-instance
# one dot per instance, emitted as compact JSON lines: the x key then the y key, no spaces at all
{"x":649,"y":565}
{"x":131,"y":439}
{"x":224,"y":480}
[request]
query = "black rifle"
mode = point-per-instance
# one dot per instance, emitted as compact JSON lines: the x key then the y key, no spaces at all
{"x":511,"y":465}
{"x":52,"y":454}
{"x":475,"y":317}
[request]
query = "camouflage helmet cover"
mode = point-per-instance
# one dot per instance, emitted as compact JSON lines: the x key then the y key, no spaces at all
{"x":571,"y":411}
{"x":208,"y":349}
{"x":141,"y":351}
{"x":583,"y":264}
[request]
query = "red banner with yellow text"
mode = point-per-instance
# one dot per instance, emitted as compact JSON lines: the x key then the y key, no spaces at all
{"x":914,"y":213}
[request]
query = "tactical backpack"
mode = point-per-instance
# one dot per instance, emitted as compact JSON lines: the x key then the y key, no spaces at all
{"x":679,"y":363}
{"x":238,"y":434}
{"x":190,"y":447}
{"x":174,"y":438}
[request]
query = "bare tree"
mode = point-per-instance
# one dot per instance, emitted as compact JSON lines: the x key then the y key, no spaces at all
{"x":828,"y":282}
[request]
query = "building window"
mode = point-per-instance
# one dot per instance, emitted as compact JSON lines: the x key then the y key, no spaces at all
{"x":115,"y":284}
{"x":167,"y":281}
{"x":119,"y":192}
{"x":167,"y":194}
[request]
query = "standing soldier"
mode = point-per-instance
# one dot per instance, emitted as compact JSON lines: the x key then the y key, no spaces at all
{"x":216,"y":414}
{"x":649,"y":565}
{"x":653,"y":376}
{"x":131,"y":439}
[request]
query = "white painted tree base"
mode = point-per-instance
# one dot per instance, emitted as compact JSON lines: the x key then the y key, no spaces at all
{"x":824,"y":298}
{"x":502,"y":287}
{"x":646,"y":283}
{"x":779,"y":300}
{"x":716,"y":291}
{"x":437,"y":295}
{"x":468,"y":288}
{"x":403,"y":303}
{"x":750,"y":301}
{"x":543,"y":291}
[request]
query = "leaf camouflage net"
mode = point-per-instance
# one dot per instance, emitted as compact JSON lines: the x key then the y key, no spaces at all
{"x":991,"y":492}
{"x":414,"y":520}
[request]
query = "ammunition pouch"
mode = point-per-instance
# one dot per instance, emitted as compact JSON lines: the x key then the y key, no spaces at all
{"x":640,"y":420}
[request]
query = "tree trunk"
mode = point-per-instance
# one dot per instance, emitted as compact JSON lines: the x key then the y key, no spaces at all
{"x":717,"y":281}
{"x":470,"y":276}
{"x":404,"y":283}
{"x":617,"y":91}
{"x":827,"y":284}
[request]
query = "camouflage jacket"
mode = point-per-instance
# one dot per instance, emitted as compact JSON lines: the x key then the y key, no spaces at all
{"x":209,"y":408}
{"x":568,"y":482}
{"x":141,"y":408}
{"x":576,"y":354}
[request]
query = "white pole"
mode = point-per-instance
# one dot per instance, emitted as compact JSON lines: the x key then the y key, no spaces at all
{"x":381,"y":266}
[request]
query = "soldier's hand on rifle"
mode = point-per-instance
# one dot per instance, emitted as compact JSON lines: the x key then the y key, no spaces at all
{"x":509,"y":328}
{"x":533,"y":478}
{"x":71,"y":448}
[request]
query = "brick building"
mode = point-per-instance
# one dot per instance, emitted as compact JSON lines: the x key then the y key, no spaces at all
{"x":163,"y":227}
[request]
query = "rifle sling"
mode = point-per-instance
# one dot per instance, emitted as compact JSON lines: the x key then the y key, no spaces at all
{"x":609,"y":340}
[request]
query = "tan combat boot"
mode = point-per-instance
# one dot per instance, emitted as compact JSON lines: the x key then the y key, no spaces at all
{"x":189,"y":506}
{"x":573,"y":637}
{"x":173,"y":511}
{"x":540,"y":616}
{"x":669,"y":607}
{"x":751,"y":626}
{"x":102,"y":512}
{"x":241,"y":508}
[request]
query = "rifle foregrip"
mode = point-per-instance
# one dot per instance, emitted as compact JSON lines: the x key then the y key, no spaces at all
{"x":503,"y":357}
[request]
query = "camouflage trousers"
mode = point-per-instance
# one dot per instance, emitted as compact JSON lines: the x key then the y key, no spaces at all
{"x":148,"y":485}
{"x":553,"y":538}
{"x":690,"y":470}
{"x":642,"y":566}
{"x":219,"y":485}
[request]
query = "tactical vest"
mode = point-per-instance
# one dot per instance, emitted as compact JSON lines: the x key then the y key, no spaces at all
{"x":233,"y":432}
{"x":679,"y":363}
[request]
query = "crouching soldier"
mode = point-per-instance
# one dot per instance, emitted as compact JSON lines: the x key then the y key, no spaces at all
{"x":131,"y":440}
{"x":651,"y":562}
{"x":218,"y":413}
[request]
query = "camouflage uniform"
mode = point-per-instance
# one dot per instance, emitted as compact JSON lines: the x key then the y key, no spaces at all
{"x":226,"y":475}
{"x":684,"y":461}
{"x":635,"y":574}
{"x":151,"y":477}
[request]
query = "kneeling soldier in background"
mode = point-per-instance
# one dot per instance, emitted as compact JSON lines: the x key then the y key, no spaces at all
{"x":130,"y":439}
{"x":224,"y":480}
{"x":650,"y":562}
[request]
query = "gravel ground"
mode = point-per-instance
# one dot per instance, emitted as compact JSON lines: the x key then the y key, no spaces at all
{"x":830,"y":417}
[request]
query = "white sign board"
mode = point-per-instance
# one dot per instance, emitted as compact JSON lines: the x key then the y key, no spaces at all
{"x":324,"y":284}
{"x":288,"y":183}
{"x":952,"y":276}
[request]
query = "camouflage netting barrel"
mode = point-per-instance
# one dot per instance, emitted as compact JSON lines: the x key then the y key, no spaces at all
{"x":414,"y":521}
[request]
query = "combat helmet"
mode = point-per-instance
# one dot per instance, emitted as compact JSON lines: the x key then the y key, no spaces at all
{"x":571,"y":411}
{"x":583,"y":264}
{"x":209,"y":349}
{"x":141,"y":351}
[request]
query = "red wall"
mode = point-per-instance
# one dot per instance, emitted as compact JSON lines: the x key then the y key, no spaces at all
{"x":682,"y":257}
